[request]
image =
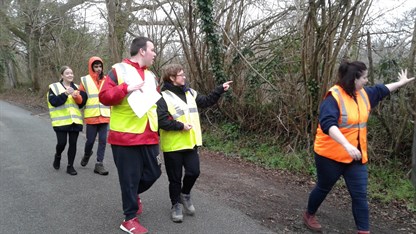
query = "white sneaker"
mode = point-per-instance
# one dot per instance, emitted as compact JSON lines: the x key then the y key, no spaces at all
{"x":177,"y":215}
{"x":187,"y":204}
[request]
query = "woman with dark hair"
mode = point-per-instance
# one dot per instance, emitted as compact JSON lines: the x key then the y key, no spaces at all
{"x":65,"y":102}
{"x":341,"y":140}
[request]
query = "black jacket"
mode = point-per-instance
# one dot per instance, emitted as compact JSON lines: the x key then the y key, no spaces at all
{"x":166,"y":122}
{"x":58,"y":100}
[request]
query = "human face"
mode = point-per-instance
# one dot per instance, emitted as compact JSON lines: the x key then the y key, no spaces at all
{"x":97,"y":68}
{"x":149,"y":54}
{"x":179,"y":79}
{"x":362,"y":81}
{"x":67,"y":76}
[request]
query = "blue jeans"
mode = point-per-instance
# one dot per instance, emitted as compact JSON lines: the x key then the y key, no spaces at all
{"x":92,"y":130}
{"x":356,"y":178}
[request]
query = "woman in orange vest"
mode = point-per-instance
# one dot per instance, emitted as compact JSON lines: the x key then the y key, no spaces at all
{"x":341,"y":140}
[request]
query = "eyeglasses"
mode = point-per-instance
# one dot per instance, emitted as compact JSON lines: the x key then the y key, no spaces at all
{"x":183,"y":75}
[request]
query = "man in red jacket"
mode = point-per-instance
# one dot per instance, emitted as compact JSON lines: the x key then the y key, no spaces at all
{"x":133,"y":127}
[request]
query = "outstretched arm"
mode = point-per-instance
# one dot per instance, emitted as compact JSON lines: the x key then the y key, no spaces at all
{"x":403,"y":80}
{"x":204,"y":101}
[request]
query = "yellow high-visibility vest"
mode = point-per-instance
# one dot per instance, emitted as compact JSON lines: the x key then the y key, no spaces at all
{"x":123,"y":118}
{"x":185,"y":113}
{"x":93,"y":107}
{"x":67,"y":113}
{"x":352,"y":123}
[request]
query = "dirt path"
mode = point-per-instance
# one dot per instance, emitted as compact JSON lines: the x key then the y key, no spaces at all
{"x":275,"y":198}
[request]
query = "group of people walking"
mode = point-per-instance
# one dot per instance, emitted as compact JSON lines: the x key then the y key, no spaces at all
{"x":147,"y":116}
{"x":65,"y":101}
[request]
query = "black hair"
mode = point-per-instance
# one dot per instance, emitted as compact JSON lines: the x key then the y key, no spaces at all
{"x":348,"y":72}
{"x":102,"y":66}
{"x":137,"y":44}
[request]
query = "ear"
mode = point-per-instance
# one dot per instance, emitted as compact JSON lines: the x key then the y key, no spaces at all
{"x":142,"y":51}
{"x":172,"y":78}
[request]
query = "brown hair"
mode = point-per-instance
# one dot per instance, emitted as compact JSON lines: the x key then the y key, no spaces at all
{"x":62,"y":70}
{"x":170,"y":70}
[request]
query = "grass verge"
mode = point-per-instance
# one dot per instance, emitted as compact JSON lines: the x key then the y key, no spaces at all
{"x":387,"y":183}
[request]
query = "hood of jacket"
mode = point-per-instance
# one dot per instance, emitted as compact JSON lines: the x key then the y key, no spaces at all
{"x":91,"y":72}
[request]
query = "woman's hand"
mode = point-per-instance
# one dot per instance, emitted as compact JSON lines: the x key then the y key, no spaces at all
{"x":226,"y":85}
{"x":69,"y":91}
{"x":75,"y":93}
{"x":353,"y":151}
{"x":187,"y":127}
{"x":403,"y":80}
{"x":403,"y":77}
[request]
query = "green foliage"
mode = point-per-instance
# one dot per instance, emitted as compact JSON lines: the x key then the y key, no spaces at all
{"x":208,"y":26}
{"x":229,"y":139}
{"x":387,"y":183}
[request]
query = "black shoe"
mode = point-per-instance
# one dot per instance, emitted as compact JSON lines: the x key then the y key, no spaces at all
{"x":85,"y":159}
{"x":57,"y":162}
{"x":70,"y":170}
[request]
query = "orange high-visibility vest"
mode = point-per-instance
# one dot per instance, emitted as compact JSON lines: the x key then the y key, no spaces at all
{"x":352,"y":123}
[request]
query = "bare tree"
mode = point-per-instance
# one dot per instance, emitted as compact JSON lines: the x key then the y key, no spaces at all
{"x":27,"y":26}
{"x":329,"y":27}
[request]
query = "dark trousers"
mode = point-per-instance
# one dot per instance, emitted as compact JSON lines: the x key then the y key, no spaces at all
{"x":92,"y":131}
{"x":138,"y":168}
{"x":356,"y":178}
{"x":72,"y":149}
{"x":174,"y":161}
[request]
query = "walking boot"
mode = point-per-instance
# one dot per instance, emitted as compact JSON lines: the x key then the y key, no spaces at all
{"x":70,"y":170}
{"x":57,"y":162}
{"x":99,"y":169}
{"x":85,"y":159}
{"x":176,"y":213}
{"x":187,"y":204}
{"x":311,"y":222}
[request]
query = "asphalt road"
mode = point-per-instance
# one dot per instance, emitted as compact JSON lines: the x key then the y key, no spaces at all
{"x":35,"y":198}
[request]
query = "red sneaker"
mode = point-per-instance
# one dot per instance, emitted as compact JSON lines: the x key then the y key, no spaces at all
{"x":133,"y":226}
{"x":311,"y":222}
{"x":139,"y":203}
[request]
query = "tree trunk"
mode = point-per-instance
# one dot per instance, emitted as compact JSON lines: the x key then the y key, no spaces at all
{"x":412,"y":105}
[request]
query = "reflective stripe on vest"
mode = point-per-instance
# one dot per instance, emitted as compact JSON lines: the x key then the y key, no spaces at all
{"x":93,"y":107}
{"x":352,"y":123}
{"x":123,"y":118}
{"x":185,"y":113}
{"x":65,"y":114}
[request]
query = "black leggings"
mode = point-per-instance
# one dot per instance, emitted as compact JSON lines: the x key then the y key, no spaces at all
{"x":175,"y":162}
{"x":72,"y":149}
